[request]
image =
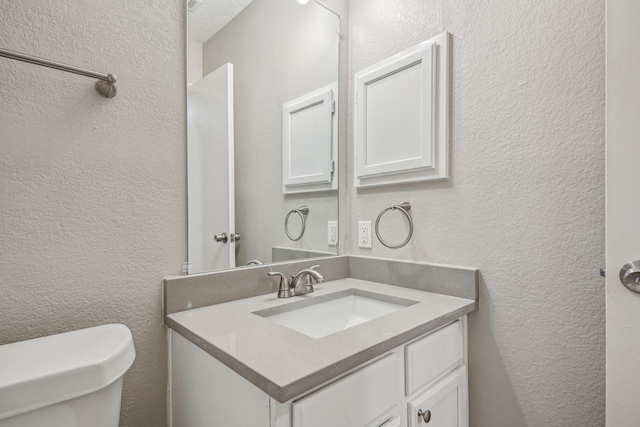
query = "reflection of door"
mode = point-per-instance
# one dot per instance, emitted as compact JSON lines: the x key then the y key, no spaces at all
{"x":623,"y":211}
{"x":210,"y":165}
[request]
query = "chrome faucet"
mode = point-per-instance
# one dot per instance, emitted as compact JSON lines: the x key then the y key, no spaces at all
{"x":301,"y":283}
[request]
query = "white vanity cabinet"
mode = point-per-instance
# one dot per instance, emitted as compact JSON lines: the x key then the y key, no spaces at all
{"x":427,"y":374}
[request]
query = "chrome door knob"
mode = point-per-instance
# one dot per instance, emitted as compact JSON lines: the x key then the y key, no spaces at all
{"x":426,"y":415}
{"x":630,"y":276}
{"x":221,"y":238}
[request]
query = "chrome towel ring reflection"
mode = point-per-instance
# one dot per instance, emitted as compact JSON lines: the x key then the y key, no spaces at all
{"x":301,"y":211}
{"x":403,"y":207}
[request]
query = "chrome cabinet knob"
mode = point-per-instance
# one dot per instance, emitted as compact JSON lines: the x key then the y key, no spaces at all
{"x":221,"y":238}
{"x":235,"y":237}
{"x":426,"y":415}
{"x":630,"y":276}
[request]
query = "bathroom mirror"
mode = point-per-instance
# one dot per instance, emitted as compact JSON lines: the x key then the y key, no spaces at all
{"x":248,"y":63}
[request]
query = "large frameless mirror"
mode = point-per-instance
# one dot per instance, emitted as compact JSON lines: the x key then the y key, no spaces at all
{"x":262,"y":132}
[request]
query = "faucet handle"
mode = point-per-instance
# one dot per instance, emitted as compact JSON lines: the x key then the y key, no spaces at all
{"x":277,"y":273}
{"x":310,"y":278}
{"x":283,"y":290}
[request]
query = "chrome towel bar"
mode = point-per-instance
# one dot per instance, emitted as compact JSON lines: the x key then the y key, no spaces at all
{"x":105,"y":87}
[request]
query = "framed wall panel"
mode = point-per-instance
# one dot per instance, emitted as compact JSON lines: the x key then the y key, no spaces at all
{"x":401,"y":126}
{"x":309,"y":134}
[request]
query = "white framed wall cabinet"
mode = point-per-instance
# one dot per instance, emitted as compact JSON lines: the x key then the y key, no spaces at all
{"x":309,"y":142}
{"x":401,"y":117}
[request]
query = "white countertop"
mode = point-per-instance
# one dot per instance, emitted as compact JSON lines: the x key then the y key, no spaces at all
{"x":285,"y":363}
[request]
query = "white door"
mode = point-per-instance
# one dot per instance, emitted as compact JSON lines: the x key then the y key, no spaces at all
{"x":210,"y":165}
{"x":623,"y":211}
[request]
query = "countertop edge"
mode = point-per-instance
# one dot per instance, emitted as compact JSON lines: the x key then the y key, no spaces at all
{"x":305,"y":384}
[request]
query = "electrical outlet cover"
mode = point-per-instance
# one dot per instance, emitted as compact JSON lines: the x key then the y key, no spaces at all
{"x":332,"y":230}
{"x":364,"y":234}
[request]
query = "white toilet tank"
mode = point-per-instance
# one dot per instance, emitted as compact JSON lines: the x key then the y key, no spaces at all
{"x":72,"y":379}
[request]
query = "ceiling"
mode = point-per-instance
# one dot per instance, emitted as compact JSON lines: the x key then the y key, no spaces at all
{"x":211,"y":17}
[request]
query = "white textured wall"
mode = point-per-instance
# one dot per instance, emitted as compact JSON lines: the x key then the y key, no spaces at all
{"x":525,"y":203}
{"x":280,"y":50}
{"x":93,"y":191}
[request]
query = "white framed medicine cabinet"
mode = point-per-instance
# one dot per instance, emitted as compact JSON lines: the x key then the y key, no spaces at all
{"x":309,"y":142}
{"x":401,"y":117}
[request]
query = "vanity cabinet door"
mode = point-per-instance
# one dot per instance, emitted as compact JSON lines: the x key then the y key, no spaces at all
{"x":364,"y":398}
{"x":443,"y":405}
{"x":434,"y":356}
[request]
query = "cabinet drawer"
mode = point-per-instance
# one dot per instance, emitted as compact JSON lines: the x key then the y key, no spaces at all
{"x":355,"y":400}
{"x":434,"y":355}
{"x":444,"y":404}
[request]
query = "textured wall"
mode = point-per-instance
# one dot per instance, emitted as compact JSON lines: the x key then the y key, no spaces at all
{"x":280,"y":51}
{"x":93,"y":191}
{"x":525,"y":203}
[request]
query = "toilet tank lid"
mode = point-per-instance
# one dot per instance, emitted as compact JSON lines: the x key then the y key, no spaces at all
{"x":43,"y":371}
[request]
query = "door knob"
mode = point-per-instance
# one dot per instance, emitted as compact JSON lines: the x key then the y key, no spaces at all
{"x":630,"y":276}
{"x":426,"y":415}
{"x":221,"y":238}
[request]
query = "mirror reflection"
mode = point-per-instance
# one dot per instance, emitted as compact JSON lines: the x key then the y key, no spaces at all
{"x":262,"y":132}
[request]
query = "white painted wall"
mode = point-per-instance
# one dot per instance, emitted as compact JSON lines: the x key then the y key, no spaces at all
{"x":525,"y":203}
{"x":93,"y":191}
{"x":297,"y":54}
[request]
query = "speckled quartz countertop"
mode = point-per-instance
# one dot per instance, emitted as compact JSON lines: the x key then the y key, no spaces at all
{"x":285,"y":363}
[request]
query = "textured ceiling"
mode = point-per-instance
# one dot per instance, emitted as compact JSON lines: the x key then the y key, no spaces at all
{"x":212,"y":16}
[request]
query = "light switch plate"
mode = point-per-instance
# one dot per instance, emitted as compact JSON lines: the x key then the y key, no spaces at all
{"x":364,"y":234}
{"x":332,"y":230}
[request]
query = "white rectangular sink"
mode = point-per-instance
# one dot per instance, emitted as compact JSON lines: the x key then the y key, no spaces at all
{"x":321,"y":316}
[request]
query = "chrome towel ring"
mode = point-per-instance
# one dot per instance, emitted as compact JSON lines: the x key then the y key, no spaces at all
{"x":301,"y":211}
{"x":403,"y":207}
